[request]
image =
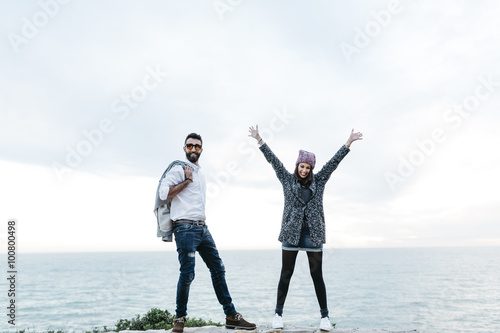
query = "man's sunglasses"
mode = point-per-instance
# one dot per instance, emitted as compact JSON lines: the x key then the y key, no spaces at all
{"x":190,"y":146}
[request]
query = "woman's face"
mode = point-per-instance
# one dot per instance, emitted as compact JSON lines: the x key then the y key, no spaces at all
{"x":304,"y":169}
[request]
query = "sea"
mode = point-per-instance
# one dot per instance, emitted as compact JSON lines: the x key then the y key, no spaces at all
{"x":423,"y":289}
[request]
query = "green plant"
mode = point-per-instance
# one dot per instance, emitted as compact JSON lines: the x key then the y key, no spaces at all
{"x":198,"y":322}
{"x":158,"y":319}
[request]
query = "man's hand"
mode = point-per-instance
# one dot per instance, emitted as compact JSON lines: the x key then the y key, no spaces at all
{"x":188,"y":172}
{"x":176,"y":189}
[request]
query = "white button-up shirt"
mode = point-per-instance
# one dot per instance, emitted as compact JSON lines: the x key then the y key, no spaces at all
{"x":190,"y":202}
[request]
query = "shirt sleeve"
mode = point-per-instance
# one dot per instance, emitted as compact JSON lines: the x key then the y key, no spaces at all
{"x":173,"y":177}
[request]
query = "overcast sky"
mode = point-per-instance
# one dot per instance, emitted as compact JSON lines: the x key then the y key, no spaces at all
{"x":96,"y":99}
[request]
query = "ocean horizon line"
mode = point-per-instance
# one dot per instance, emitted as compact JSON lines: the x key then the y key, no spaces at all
{"x":173,"y":249}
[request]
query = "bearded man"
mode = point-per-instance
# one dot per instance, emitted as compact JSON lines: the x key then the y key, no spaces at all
{"x":185,"y":185}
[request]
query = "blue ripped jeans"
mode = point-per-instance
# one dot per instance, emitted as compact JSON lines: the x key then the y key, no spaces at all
{"x":189,"y":239}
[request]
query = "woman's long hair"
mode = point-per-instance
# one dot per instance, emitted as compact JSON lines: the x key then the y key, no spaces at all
{"x":304,"y":182}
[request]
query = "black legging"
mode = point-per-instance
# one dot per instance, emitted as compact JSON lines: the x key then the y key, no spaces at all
{"x":316,"y":270}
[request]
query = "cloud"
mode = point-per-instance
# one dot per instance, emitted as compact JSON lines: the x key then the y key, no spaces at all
{"x":221,"y":76}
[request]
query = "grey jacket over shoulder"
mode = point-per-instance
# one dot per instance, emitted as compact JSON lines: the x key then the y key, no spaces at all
{"x":296,"y":210}
{"x":165,"y":213}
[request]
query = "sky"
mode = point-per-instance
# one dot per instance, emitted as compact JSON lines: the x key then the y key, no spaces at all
{"x":96,"y":100}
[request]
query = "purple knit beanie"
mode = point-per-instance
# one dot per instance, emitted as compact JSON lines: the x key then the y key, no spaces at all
{"x":306,"y":157}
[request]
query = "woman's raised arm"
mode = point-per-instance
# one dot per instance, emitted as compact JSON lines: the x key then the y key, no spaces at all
{"x":325,"y":172}
{"x":278,"y":167}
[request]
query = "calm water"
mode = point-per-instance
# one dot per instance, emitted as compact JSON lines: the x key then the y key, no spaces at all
{"x":427,"y":289}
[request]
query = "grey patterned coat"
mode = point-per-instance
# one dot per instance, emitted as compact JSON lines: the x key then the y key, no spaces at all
{"x":296,"y":210}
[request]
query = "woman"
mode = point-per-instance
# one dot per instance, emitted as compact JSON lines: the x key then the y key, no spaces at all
{"x":303,"y":223}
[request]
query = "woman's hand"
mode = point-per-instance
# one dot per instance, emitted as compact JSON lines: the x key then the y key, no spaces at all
{"x":353,"y":137}
{"x":254,"y":133}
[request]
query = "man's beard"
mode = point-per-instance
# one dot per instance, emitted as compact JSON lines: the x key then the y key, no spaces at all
{"x":191,"y":158}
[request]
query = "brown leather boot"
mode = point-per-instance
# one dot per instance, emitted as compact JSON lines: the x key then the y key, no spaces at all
{"x":179,"y":324}
{"x":236,"y":321}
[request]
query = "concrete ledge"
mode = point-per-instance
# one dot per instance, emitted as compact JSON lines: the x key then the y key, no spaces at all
{"x":268,"y":329}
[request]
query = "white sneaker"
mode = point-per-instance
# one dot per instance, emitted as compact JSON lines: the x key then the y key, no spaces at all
{"x":325,"y":324}
{"x":277,"y":321}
